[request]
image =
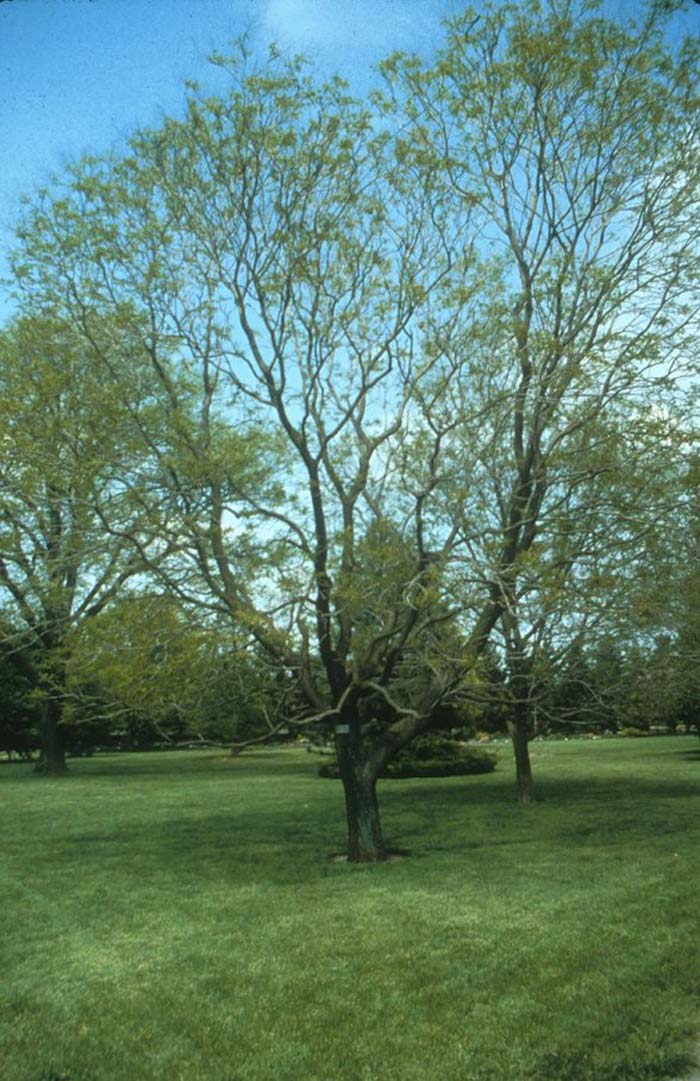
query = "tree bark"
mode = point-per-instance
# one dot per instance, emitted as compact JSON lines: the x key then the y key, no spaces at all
{"x":359,"y":777}
{"x":519,"y":725}
{"x":525,"y":786}
{"x":52,"y":759}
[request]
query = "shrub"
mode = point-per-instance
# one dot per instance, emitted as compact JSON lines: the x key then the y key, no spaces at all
{"x":430,"y":756}
{"x":632,"y":731}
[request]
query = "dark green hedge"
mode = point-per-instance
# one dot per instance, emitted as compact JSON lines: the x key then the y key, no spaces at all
{"x":431,"y":756}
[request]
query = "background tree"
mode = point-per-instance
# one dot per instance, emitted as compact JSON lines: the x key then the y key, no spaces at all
{"x":533,"y":115}
{"x":66,"y":451}
{"x":153,"y":672}
{"x":19,"y":720}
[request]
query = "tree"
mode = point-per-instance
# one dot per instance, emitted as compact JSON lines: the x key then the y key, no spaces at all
{"x":66,"y":451}
{"x":532,"y":113}
{"x":273,"y":263}
{"x":585,"y":582}
{"x":154,"y":672}
{"x":18,"y":714}
{"x":665,"y":687}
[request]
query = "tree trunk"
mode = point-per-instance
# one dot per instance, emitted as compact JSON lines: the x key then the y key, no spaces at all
{"x":52,"y":759}
{"x":519,"y":726}
{"x":523,"y":770}
{"x":359,"y":777}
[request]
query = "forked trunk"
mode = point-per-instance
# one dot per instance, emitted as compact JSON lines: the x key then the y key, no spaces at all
{"x":365,"y":840}
{"x":52,"y":759}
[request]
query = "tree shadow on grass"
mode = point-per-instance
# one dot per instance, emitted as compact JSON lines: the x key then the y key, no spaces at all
{"x":183,"y":763}
{"x":565,"y":790}
{"x":284,"y":827}
{"x":240,"y":848}
{"x":290,"y":843}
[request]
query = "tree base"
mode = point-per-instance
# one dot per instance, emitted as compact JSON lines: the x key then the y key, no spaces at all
{"x":50,"y":769}
{"x":391,"y":855}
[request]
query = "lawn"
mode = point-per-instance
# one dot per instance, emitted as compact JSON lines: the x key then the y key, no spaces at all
{"x":178,"y":917}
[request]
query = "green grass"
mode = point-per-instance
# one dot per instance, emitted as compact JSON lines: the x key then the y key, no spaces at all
{"x":177,"y":917}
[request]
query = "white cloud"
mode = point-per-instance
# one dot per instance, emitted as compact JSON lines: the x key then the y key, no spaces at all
{"x":353,"y":30}
{"x":300,"y":23}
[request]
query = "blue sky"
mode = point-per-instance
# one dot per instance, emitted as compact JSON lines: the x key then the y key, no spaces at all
{"x":80,"y":75}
